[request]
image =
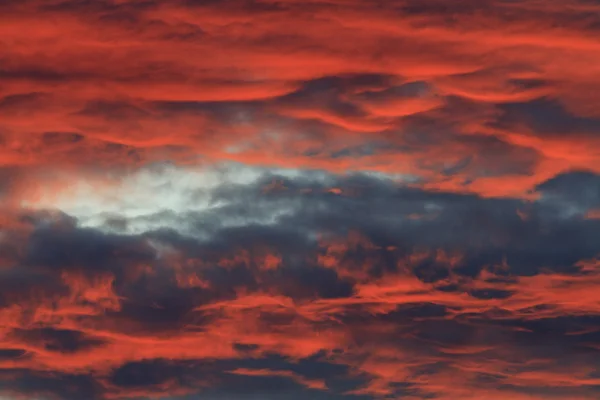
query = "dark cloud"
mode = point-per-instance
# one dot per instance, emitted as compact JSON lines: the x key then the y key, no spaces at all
{"x":54,"y":385}
{"x":149,"y":373}
{"x":484,"y":229}
{"x":58,"y":340}
{"x":580,"y":189}
{"x":546,"y":117}
{"x":12,"y":353}
{"x":468,"y":260}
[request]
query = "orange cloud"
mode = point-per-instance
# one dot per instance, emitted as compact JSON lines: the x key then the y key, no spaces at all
{"x":309,"y":383}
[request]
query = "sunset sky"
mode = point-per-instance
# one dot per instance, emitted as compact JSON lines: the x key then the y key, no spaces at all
{"x":299,"y":199}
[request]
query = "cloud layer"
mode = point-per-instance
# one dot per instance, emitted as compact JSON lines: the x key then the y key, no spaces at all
{"x":490,"y":97}
{"x":328,"y":199}
{"x":341,"y":286}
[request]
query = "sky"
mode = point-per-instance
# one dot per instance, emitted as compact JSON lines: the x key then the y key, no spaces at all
{"x":289,"y":200}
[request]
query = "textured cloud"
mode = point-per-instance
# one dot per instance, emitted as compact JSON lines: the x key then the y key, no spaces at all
{"x":374,"y":289}
{"x":478,"y":96}
{"x":328,"y":199}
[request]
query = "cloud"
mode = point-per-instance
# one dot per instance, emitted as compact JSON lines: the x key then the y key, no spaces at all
{"x":330,"y":199}
{"x":391,"y":290}
{"x":137,"y":86}
{"x":573,"y":188}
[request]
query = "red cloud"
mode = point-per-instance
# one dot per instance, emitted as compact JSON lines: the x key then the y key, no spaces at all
{"x":103,"y":72}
